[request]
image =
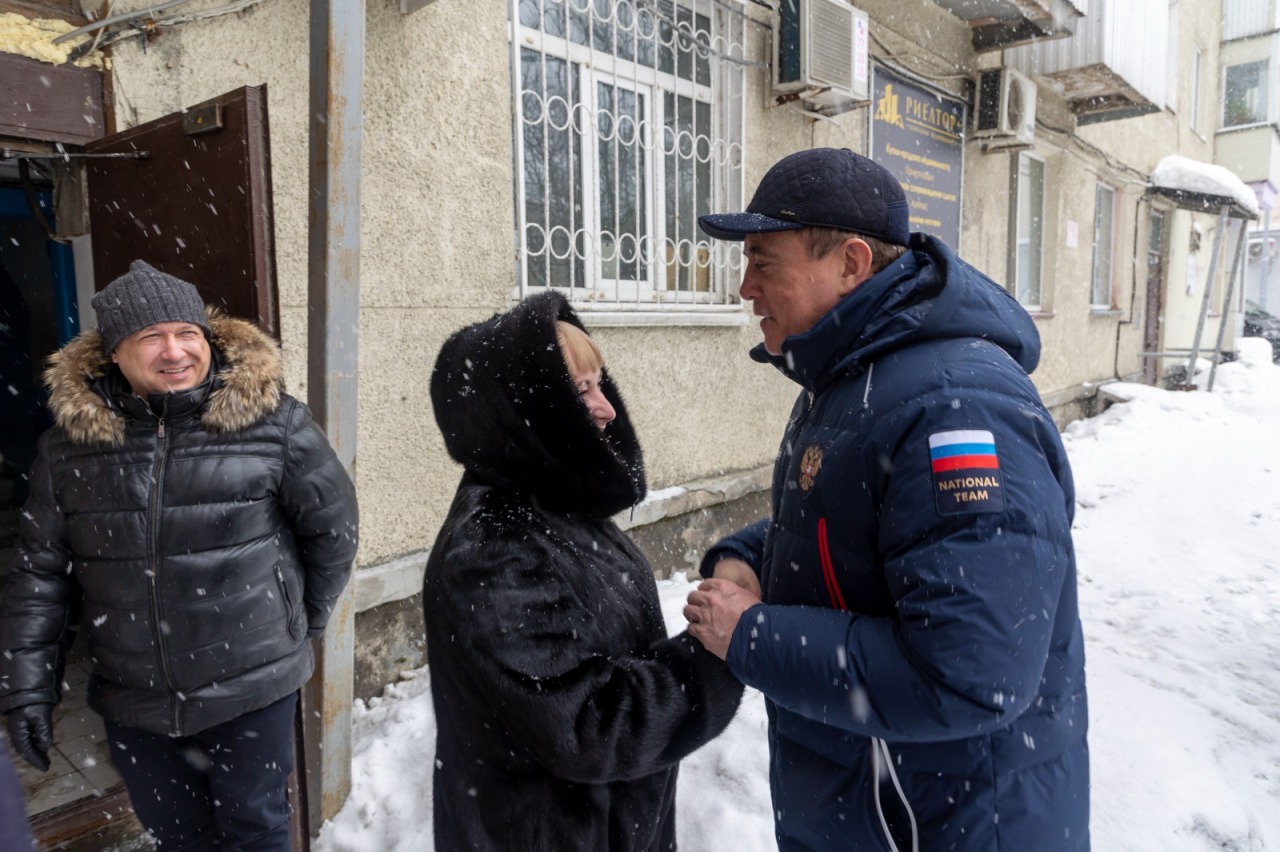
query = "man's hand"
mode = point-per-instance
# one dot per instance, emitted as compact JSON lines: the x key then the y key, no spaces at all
{"x":736,"y":571}
{"x":31,"y":732}
{"x":713,"y":611}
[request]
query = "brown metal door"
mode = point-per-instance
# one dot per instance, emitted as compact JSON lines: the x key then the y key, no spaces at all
{"x":196,"y":205}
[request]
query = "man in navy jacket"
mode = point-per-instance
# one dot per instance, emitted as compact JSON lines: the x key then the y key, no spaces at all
{"x":909,"y":610}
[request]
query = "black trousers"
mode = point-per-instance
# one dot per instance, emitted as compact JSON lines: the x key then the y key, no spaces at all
{"x":221,"y":790}
{"x":14,"y":831}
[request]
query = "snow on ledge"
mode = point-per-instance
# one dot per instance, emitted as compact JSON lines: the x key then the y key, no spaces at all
{"x":1177,"y":172}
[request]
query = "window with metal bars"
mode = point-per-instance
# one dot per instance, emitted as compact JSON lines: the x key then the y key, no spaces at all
{"x":629,"y":127}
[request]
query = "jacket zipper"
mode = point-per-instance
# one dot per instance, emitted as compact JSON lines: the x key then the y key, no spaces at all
{"x":788,"y":447}
{"x":881,"y":759}
{"x":153,"y":561}
{"x":288,"y":602}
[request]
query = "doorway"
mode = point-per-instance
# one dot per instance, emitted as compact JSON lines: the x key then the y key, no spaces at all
{"x":39,"y":312}
{"x":1155,"y":297}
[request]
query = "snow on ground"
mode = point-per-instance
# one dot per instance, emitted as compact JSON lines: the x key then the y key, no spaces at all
{"x":1178,"y":540}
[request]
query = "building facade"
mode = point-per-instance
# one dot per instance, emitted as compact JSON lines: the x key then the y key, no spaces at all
{"x":509,"y":147}
{"x":1248,"y":135}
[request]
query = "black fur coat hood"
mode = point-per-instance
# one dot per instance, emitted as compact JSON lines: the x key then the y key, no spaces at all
{"x":562,"y":706}
{"x":510,"y":414}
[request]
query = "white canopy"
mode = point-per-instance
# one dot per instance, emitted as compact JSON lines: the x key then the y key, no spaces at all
{"x":1182,"y":174}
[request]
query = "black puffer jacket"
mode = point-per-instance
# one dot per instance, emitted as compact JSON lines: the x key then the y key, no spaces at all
{"x":205,"y":543}
{"x":562,"y":707}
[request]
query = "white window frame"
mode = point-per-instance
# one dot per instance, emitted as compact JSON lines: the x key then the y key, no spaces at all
{"x":715,"y":265}
{"x":1197,"y":63}
{"x":1102,"y":269}
{"x":1173,"y":56}
{"x":626,"y":289}
{"x":1034,"y":241}
{"x":1259,"y":117}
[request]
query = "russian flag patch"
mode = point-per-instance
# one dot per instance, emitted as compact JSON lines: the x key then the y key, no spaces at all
{"x":966,"y":472}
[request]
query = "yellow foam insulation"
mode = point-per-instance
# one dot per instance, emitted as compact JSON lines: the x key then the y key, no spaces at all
{"x":33,"y":38}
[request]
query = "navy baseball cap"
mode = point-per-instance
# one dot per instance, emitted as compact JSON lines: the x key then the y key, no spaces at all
{"x":826,"y":187}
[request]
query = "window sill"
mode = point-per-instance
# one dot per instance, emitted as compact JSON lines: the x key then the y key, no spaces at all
{"x":594,"y":314}
{"x":692,"y":496}
{"x":667,"y":310}
{"x":1238,"y":128}
{"x":1042,"y":315}
{"x":1104,"y":313}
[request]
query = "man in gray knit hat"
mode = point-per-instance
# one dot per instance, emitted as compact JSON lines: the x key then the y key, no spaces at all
{"x":193,"y":520}
{"x":155,"y":330}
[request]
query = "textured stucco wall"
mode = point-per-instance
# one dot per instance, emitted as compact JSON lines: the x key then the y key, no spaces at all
{"x":437,"y":222}
{"x":1082,"y":346}
{"x":436,"y":230}
{"x":435,"y":210}
{"x":1142,"y":143}
{"x":1254,"y":154}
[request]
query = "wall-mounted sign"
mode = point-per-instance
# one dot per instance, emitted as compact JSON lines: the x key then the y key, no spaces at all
{"x":918,"y":135}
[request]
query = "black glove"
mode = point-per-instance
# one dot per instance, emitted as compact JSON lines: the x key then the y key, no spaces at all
{"x":31,"y":732}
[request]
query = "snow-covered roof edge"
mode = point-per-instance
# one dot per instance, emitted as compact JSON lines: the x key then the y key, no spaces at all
{"x":1187,"y":175}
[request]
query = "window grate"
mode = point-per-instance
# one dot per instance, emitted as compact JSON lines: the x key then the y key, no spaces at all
{"x":629,"y":126}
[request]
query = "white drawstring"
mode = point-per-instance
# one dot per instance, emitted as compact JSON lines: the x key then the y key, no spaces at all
{"x":880,"y":754}
{"x":871,"y":368}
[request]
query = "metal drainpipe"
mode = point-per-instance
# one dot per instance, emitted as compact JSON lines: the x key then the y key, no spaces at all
{"x":333,"y":323}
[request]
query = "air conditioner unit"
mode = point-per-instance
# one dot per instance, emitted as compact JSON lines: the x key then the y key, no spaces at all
{"x":820,"y":55}
{"x":1004,"y":114}
{"x":1256,"y":249}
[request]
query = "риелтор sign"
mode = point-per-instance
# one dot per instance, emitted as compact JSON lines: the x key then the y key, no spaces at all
{"x":917,"y":134}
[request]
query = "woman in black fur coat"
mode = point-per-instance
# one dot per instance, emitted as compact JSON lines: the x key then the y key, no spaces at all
{"x":562,"y":707}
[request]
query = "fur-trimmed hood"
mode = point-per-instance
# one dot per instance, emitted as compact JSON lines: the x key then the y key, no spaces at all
{"x":246,"y":388}
{"x":509,"y":412}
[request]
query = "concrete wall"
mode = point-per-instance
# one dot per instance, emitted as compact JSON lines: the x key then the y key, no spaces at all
{"x":437,"y":224}
{"x":1084,"y":346}
{"x":1253,"y":153}
{"x":437,"y":220}
{"x":436,"y":230}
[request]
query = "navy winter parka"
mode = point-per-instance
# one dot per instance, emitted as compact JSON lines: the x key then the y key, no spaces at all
{"x":919,"y":579}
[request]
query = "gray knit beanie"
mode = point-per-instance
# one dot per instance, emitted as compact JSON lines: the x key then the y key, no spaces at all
{"x":144,"y":296}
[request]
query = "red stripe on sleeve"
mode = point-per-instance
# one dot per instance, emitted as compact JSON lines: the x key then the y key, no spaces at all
{"x":965,"y":463}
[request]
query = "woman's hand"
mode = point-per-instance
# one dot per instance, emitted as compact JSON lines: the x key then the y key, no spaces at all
{"x":738,"y":572}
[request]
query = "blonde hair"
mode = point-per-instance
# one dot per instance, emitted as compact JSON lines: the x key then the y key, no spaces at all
{"x":580,"y":352}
